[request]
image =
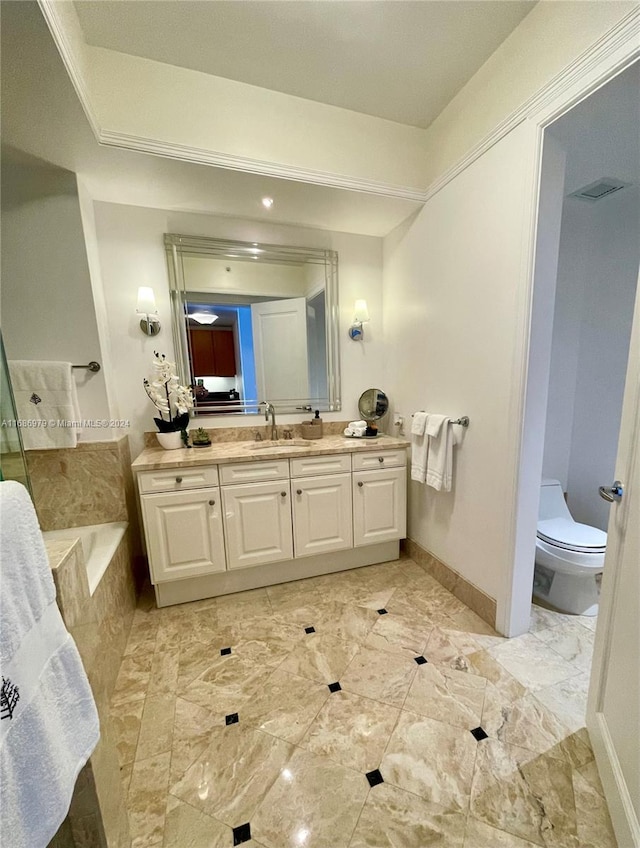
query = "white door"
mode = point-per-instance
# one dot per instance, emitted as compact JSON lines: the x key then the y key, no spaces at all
{"x":257,"y":521}
{"x":184,"y":533}
{"x":613,"y":713}
{"x":280,"y":345}
{"x":322,"y":514}
{"x":379,"y":506}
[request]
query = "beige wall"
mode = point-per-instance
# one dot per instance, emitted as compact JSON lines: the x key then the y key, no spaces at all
{"x":130,"y":243}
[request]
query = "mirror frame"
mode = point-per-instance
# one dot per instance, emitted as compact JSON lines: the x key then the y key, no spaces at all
{"x":177,"y":246}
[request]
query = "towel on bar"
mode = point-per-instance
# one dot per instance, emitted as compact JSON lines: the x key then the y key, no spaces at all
{"x":434,"y":423}
{"x":419,"y":446}
{"x":45,"y":392}
{"x":48,"y":719}
{"x":440,"y":455}
{"x":419,"y":423}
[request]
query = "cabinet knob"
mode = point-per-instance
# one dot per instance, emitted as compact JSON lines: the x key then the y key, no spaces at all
{"x":360,"y":483}
{"x":212,"y":503}
{"x":178,"y":479}
{"x":380,"y":459}
{"x":284,"y":494}
{"x":298,"y":491}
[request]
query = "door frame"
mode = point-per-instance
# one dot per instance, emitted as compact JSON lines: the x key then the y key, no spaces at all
{"x":514,"y":599}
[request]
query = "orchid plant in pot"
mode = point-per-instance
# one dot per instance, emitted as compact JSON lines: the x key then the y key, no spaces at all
{"x":172,"y":400}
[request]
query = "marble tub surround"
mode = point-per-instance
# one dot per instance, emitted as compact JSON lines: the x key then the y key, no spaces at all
{"x":243,"y":450}
{"x":303,"y":715}
{"x":99,"y":625}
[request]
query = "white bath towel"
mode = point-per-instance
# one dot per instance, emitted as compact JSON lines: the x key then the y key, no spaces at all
{"x":48,"y":719}
{"x":434,"y":423}
{"x":440,"y":457}
{"x":46,"y":396}
{"x":419,"y":447}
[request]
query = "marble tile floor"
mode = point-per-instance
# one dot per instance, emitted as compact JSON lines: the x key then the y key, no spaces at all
{"x":365,"y":709}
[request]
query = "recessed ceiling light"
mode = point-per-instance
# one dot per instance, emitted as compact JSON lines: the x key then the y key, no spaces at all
{"x":267,"y":202}
{"x":203,"y":317}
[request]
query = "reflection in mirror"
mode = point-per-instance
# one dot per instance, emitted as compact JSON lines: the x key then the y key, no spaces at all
{"x":254,"y":322}
{"x":373,"y":404}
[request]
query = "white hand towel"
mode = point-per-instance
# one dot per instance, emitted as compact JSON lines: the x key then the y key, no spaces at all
{"x":440,"y":458}
{"x":357,"y":424}
{"x":48,"y":719}
{"x":45,"y":392}
{"x":434,"y":423}
{"x":419,"y":447}
{"x":419,"y":423}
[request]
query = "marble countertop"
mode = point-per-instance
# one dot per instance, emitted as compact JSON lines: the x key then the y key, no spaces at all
{"x":220,"y":453}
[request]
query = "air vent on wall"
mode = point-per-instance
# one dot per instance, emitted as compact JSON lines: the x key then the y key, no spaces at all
{"x":601,"y":188}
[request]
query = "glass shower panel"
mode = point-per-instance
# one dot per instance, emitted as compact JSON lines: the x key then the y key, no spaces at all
{"x":13,"y":465}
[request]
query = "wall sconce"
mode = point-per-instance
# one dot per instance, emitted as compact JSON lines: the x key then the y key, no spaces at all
{"x":150,"y":323}
{"x":361,"y":316}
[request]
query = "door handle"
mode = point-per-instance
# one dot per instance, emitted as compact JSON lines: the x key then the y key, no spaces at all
{"x":612,"y":493}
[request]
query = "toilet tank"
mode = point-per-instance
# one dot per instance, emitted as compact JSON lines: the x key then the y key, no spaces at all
{"x":552,"y":502}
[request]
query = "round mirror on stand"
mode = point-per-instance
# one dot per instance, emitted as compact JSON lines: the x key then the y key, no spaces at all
{"x":372,"y":406}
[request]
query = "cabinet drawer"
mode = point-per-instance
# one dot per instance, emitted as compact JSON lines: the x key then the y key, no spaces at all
{"x":306,"y":465}
{"x":379,"y":459}
{"x":254,"y":472}
{"x":177,"y":479}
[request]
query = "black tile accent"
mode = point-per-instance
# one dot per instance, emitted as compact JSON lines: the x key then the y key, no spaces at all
{"x":335,"y":687}
{"x":224,"y":652}
{"x":374,"y":777}
{"x":309,"y":629}
{"x":242,"y":833}
{"x":421,"y":660}
{"x":382,"y":611}
{"x":479,"y":734}
{"x":232,"y":718}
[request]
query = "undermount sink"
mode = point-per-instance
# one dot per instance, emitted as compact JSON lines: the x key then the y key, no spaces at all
{"x":273,"y":444}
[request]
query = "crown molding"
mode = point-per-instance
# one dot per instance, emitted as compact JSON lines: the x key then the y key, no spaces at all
{"x":623,"y":37}
{"x":51,"y":13}
{"x":229,"y":161}
{"x":626,"y":33}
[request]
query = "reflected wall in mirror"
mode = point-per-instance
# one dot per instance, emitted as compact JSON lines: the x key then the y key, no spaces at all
{"x":254,"y":322}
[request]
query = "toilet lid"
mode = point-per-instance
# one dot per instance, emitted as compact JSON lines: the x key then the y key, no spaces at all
{"x":572,"y":536}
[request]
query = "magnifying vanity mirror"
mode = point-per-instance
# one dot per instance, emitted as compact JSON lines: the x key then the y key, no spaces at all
{"x":254,"y":322}
{"x":373,"y":405}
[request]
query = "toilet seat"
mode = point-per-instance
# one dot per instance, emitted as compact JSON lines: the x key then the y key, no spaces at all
{"x":569,"y":535}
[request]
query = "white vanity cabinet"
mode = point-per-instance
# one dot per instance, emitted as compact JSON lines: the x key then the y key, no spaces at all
{"x":321,"y":500}
{"x":184,"y":533}
{"x":229,"y":526}
{"x":379,"y":497}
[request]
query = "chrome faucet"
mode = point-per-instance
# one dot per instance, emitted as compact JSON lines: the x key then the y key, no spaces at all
{"x":269,"y":409}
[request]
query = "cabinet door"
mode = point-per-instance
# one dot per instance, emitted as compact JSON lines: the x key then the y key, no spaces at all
{"x":184,"y":533}
{"x":202,"y":358}
{"x":379,"y":506}
{"x":257,"y":518}
{"x":322,"y":514}
{"x":224,"y":353}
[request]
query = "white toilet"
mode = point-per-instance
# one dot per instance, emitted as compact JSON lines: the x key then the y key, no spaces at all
{"x":569,"y":556}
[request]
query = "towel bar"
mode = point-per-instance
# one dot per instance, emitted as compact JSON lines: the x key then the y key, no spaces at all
{"x":463,"y":421}
{"x":92,"y":366}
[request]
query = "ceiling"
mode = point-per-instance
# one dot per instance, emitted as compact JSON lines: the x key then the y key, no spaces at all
{"x":402,"y":60}
{"x":601,"y":133}
{"x":42,"y":116}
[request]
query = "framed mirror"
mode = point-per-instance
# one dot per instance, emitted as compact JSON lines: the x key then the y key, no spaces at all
{"x":254,"y":322}
{"x":373,"y":405}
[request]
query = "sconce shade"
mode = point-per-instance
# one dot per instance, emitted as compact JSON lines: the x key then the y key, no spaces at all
{"x":146,"y":300}
{"x":361,"y":311}
{"x":150,"y":325}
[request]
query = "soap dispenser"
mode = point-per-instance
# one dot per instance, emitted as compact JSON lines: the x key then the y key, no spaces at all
{"x":313,"y":429}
